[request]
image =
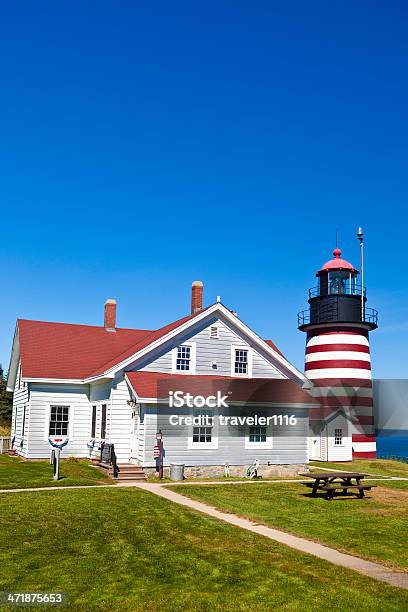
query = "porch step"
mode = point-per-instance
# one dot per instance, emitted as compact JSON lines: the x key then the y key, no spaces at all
{"x":127,"y":471}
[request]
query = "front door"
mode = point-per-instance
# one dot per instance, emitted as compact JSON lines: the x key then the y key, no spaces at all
{"x":315,"y":447}
{"x":134,"y":435}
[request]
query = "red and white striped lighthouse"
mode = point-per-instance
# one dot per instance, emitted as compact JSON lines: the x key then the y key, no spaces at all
{"x":337,"y":361}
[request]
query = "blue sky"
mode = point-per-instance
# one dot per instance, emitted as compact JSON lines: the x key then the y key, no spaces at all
{"x":145,"y":145}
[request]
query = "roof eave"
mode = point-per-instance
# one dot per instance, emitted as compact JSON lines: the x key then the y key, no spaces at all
{"x":14,"y":360}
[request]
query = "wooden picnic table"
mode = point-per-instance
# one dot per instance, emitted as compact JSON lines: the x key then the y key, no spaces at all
{"x":330,"y":482}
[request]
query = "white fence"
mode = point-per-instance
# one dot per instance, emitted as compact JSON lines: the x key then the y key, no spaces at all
{"x":5,"y":444}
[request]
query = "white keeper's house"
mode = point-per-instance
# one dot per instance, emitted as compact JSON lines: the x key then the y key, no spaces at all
{"x":111,"y":385}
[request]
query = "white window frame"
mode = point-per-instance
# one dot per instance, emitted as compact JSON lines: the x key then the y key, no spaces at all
{"x":268,"y":444}
{"x":237,"y":347}
{"x":213,"y":445}
{"x":193,"y":353}
{"x":70,"y":419}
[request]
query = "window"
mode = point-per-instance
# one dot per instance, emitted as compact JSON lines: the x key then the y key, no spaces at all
{"x":241,"y":361}
{"x":257,"y":434}
{"x":59,"y":418}
{"x":24,"y":421}
{"x":183,"y":358}
{"x":204,"y":434}
{"x":213,"y":333}
{"x":258,"y":437}
{"x":338,"y":437}
{"x":15,"y":420}
{"x":93,"y":426}
{"x":103,"y":422}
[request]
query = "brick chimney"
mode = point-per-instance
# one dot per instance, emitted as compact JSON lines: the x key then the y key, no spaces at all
{"x":110,"y":315}
{"x":196,"y":297}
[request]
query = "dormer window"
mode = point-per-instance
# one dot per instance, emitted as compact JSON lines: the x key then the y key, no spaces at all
{"x":183,"y":358}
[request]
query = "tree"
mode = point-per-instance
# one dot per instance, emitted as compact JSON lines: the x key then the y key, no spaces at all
{"x":6,"y":400}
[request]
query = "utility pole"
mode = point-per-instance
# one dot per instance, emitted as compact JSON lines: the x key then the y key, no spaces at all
{"x":360,"y":236}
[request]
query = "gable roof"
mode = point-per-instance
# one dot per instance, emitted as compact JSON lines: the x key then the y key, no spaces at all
{"x":82,"y":353}
{"x":62,"y":350}
{"x":156,"y":385}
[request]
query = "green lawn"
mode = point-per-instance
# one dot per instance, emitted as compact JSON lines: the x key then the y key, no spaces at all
{"x":385,"y":467}
{"x":117,"y":549}
{"x":375,"y":528}
{"x":16,"y":473}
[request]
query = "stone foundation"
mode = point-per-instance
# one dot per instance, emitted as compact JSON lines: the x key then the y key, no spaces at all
{"x":218,"y":471}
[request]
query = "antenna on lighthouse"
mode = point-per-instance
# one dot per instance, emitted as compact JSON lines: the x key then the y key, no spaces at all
{"x":360,"y":236}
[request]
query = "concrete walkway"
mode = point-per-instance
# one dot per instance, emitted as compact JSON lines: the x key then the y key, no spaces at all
{"x":368,"y":568}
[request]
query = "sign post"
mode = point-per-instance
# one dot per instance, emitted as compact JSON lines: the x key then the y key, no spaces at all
{"x":57,"y":444}
{"x":158,"y":453}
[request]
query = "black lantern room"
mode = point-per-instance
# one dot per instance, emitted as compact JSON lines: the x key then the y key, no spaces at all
{"x":338,"y":297}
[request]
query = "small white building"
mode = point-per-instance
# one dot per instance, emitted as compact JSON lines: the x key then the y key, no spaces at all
{"x":94,"y":384}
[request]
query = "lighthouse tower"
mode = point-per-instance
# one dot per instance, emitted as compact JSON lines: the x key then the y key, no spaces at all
{"x":337,"y":324}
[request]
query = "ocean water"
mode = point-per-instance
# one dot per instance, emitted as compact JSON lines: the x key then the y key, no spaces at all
{"x":392,"y":443}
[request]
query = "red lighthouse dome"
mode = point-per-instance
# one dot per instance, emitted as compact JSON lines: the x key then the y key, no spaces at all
{"x":337,"y":263}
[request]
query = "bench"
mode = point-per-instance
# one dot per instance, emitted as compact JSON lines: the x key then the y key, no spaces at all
{"x":331,"y":489}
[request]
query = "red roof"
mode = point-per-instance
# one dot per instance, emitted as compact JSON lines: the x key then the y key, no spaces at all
{"x":275,"y":348}
{"x":61,"y":350}
{"x":337,"y":263}
{"x":158,"y":384}
{"x":64,"y":350}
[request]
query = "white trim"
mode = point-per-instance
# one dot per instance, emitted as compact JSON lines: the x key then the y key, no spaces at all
{"x":259,"y":445}
{"x":193,"y":357}
{"x":14,"y":361}
{"x":242,"y":347}
{"x":70,"y":419}
{"x":91,"y":406}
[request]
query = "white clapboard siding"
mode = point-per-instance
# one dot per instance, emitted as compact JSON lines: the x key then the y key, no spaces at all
{"x":42,"y":396}
{"x":21,"y":402}
{"x":289,"y":444}
{"x":121,"y":419}
{"x":210,"y":351}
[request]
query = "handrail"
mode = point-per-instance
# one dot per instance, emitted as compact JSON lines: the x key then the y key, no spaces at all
{"x":347,"y":290}
{"x":370,"y":316}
